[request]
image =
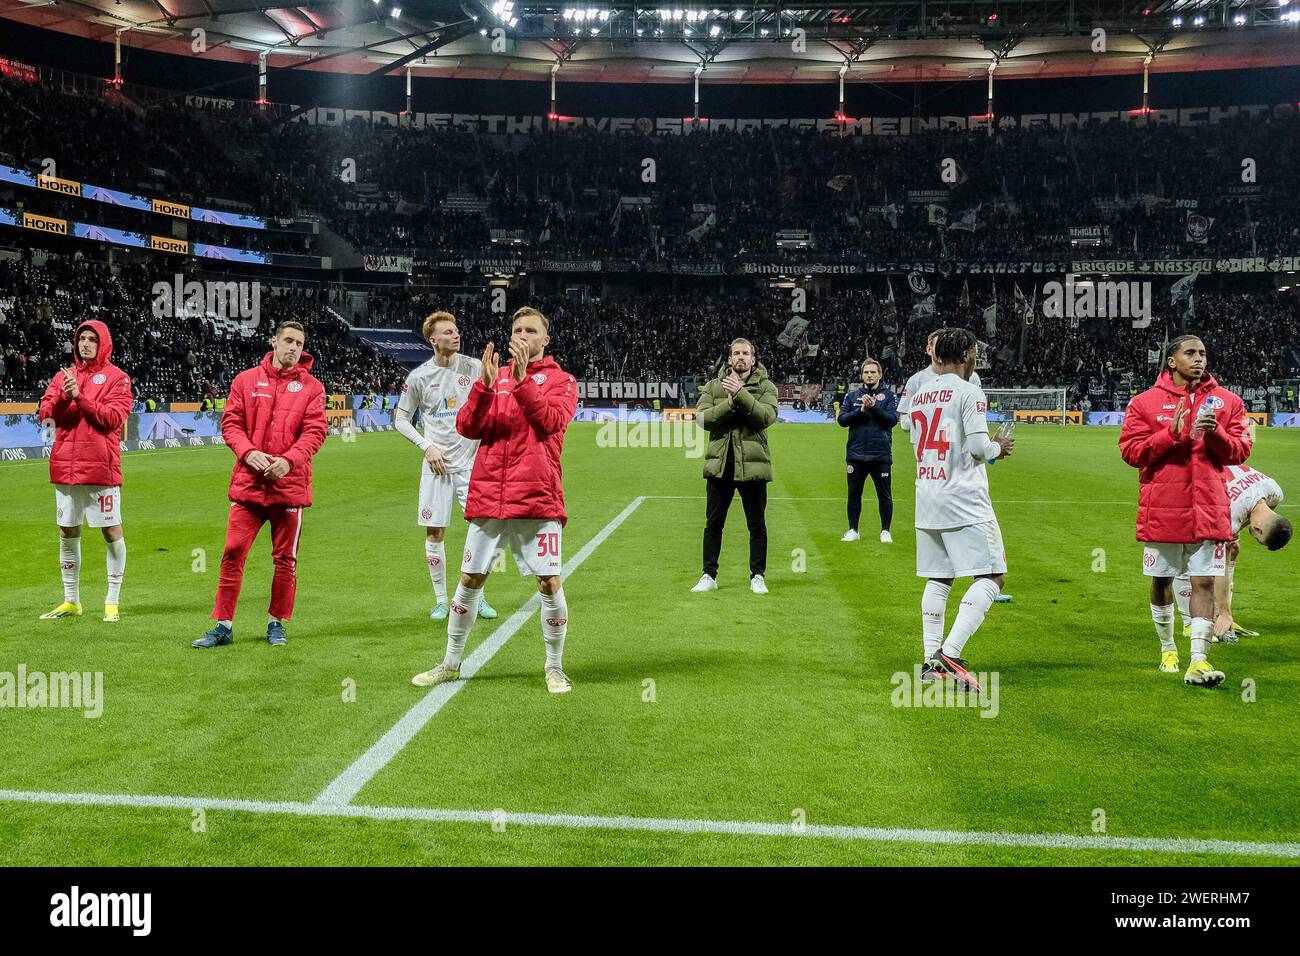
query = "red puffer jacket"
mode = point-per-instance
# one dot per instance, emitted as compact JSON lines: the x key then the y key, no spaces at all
{"x":88,"y":429}
{"x":277,"y":413}
{"x":517,"y":470}
{"x":1181,"y":496}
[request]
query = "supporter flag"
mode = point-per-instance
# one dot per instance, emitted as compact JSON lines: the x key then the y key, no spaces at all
{"x":964,"y":301}
{"x":405,"y":208}
{"x":793,"y":332}
{"x":1181,"y":298}
{"x":889,"y":310}
{"x":703,"y":228}
{"x":841,"y":182}
{"x":923,"y":308}
{"x":891,"y":215}
{"x":615,"y":219}
{"x":937,"y":215}
{"x":1197,"y":227}
{"x":991,"y":315}
{"x":544,"y":236}
{"x":965,"y":222}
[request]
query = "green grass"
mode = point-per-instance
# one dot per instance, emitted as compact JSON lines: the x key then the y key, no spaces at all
{"x":763,"y":705}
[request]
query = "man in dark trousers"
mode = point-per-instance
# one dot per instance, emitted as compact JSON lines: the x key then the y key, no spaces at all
{"x":870,"y":413}
{"x":736,"y":408}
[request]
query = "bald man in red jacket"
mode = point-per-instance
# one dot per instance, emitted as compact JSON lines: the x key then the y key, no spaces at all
{"x":1182,"y":435}
{"x":275,"y":423}
{"x":87,"y":406}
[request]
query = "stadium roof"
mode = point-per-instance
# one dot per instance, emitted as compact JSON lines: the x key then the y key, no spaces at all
{"x":869,"y":41}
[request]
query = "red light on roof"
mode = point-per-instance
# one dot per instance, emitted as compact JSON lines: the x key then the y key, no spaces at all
{"x":992,"y":17}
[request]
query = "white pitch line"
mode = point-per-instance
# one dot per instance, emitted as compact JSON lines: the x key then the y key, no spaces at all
{"x":999,"y":501}
{"x":349,"y":783}
{"x":1048,"y":841}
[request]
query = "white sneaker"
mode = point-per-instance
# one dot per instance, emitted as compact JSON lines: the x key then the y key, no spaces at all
{"x":886,"y":538}
{"x":557,"y":682}
{"x":757,"y":584}
{"x":850,"y":535}
{"x":706,"y":584}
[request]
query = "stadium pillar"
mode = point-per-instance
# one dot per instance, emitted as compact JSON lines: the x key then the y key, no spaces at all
{"x":698,"y":71}
{"x":555,"y":68}
{"x":1146,"y":82}
{"x":117,"y":55}
{"x":408,"y":96}
{"x":989,"y":112}
{"x":261,"y":79}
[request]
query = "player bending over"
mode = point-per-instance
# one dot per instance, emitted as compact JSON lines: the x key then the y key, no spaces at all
{"x":438,"y":389}
{"x":957,"y":534}
{"x":519,"y":413}
{"x":1253,"y":496}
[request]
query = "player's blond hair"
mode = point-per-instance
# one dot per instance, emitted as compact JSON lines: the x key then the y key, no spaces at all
{"x":528,"y":312}
{"x":432,"y":321}
{"x":870,"y":361}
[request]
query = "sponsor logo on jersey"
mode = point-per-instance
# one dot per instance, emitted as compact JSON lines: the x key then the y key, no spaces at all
{"x":263,"y":384}
{"x":539,"y":378}
{"x":293,"y":387}
{"x":100,"y":379}
{"x":1168,"y":408}
{"x":1214,"y":401}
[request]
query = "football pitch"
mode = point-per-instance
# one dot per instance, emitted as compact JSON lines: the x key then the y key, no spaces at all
{"x":719,"y":728}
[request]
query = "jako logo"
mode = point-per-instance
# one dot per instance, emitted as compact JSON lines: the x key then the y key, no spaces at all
{"x":228,"y":300}
{"x":103,"y":909}
{"x":1102,"y":300}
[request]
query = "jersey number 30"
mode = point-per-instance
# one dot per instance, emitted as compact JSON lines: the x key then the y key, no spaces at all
{"x":932,"y":437}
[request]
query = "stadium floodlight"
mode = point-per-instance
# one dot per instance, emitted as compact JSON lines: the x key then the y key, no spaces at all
{"x":714,"y":30}
{"x":591,"y":13}
{"x":579,"y":15}
{"x":1178,"y":21}
{"x":1239,"y":20}
{"x":397,"y":12}
{"x":1291,"y":17}
{"x":604,"y":14}
{"x":595,"y":30}
{"x":763,"y":32}
{"x":677,"y":14}
{"x":1198,"y":21}
{"x":483,"y":31}
{"x":739,"y":14}
{"x":567,"y":14}
{"x":514,"y":22}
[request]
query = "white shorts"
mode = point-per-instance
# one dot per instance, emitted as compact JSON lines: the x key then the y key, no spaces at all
{"x":436,"y":493}
{"x":96,"y":505}
{"x":534,"y":541}
{"x":960,"y":552}
{"x":1200,"y":559}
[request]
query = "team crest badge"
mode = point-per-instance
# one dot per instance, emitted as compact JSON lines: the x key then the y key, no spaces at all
{"x":1214,"y":401}
{"x":293,"y":387}
{"x":463,"y":381}
{"x":539,"y":378}
{"x":426,"y":514}
{"x":100,"y":379}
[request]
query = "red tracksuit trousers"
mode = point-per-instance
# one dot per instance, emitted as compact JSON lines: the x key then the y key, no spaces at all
{"x":241,"y":531}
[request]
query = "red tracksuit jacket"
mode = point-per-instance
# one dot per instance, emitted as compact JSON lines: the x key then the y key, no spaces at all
{"x":279,"y":413}
{"x":1181,"y":492}
{"x":517,"y":470}
{"x":88,"y":429}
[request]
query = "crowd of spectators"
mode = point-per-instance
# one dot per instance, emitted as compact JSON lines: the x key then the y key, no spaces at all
{"x":174,"y":357}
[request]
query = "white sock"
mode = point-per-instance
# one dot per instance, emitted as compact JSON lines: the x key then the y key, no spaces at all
{"x":70,"y":567}
{"x":1228,"y":572}
{"x":272,"y":619}
{"x":555,"y":625}
{"x":115,"y":556}
{"x":1164,"y":621}
{"x":464,"y":609}
{"x":228,"y":625}
{"x":1202,"y":628}
{"x":975,"y":603}
{"x":436,"y":557}
{"x":1183,"y":597}
{"x":934,"y":608}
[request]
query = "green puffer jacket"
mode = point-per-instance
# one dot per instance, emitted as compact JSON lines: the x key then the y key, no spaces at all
{"x":741,"y":422}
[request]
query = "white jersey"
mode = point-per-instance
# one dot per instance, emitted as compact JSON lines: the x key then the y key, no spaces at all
{"x":915,"y":384}
{"x":1247,"y":488}
{"x":949,"y":429}
{"x":438,"y":393}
